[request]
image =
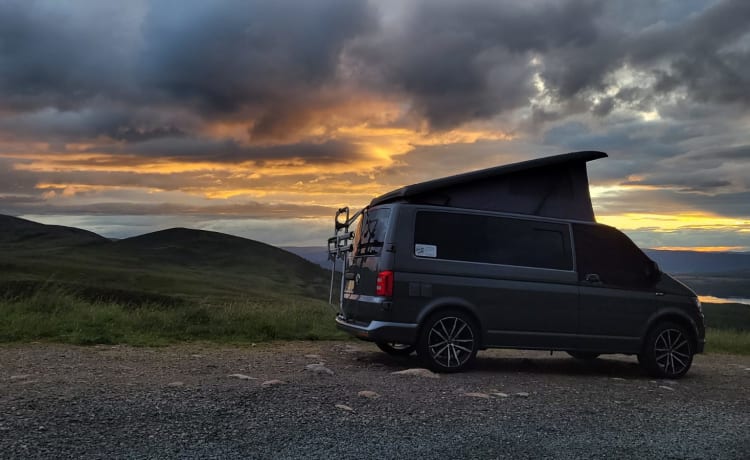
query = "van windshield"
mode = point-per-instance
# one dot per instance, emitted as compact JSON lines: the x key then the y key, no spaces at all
{"x":369,"y":236}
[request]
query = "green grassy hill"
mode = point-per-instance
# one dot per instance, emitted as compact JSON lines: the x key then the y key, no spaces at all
{"x":18,"y":233}
{"x":191,"y":283}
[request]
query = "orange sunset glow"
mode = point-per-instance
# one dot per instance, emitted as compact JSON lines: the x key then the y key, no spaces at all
{"x":262,"y":121}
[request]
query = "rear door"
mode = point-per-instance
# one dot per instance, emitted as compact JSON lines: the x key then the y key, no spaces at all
{"x":617,"y":294}
{"x":364,"y":265}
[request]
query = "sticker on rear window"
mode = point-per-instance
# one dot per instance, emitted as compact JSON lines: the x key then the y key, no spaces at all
{"x":425,"y":250}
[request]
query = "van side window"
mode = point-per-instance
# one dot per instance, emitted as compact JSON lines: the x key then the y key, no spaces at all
{"x":494,"y":240}
{"x":610,"y":254}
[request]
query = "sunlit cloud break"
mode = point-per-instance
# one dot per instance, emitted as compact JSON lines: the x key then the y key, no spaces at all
{"x":245,"y":116}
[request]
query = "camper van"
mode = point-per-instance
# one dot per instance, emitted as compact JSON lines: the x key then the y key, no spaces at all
{"x":507,"y":257}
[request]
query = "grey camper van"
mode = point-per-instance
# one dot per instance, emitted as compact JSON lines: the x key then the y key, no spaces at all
{"x":508,"y":257}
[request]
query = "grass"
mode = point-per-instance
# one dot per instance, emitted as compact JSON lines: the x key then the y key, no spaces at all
{"x":65,"y":285}
{"x":728,"y":341}
{"x":59,"y":315}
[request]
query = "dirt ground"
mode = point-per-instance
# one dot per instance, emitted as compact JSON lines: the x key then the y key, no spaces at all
{"x":266,"y":401}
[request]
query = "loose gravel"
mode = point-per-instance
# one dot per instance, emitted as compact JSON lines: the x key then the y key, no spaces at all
{"x":208,"y":401}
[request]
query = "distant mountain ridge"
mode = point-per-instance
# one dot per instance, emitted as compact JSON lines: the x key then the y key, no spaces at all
{"x":190,"y":246}
{"x":700,"y":262}
{"x":177,"y":262}
{"x":15,"y":230}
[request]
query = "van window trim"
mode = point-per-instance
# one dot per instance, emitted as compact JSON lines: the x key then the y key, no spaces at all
{"x":567,"y":224}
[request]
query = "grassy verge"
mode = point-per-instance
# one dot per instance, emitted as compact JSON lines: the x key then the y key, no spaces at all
{"x":60,"y":316}
{"x":49,"y":312}
{"x":728,"y":341}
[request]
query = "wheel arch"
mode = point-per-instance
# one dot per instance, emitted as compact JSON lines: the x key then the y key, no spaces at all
{"x":451,"y":303}
{"x":675,"y":316}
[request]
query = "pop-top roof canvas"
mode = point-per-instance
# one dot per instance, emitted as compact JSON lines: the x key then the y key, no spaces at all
{"x":555,"y":186}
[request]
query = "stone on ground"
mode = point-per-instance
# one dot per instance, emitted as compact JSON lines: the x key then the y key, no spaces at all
{"x":417,"y":372}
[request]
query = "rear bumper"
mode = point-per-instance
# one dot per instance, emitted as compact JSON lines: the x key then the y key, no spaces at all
{"x":380,"y":331}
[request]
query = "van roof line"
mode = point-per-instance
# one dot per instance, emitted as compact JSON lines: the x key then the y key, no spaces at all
{"x":554,"y":186}
{"x":488,"y":173}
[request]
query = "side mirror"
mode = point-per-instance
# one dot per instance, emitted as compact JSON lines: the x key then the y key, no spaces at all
{"x":653,"y":273}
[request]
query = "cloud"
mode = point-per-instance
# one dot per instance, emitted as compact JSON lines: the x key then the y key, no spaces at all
{"x":269,"y":108}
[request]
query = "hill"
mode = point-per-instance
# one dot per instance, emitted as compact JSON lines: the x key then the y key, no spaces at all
{"x":315,"y":254}
{"x":21,"y":232}
{"x":700,"y":262}
{"x":181,"y":263}
{"x":70,"y":285}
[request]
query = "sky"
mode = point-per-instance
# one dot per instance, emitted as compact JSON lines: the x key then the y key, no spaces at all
{"x":260,"y":118}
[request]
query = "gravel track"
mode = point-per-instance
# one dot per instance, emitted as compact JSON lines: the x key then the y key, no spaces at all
{"x":60,"y":401}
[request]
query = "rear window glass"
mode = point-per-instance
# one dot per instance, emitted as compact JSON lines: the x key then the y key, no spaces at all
{"x":369,"y":236}
{"x":494,"y":240}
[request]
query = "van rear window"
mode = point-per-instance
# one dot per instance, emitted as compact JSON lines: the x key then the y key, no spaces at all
{"x":494,"y":240}
{"x":369,"y":236}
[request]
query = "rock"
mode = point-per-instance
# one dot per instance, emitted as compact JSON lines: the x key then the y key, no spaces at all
{"x":352,"y":349}
{"x":313,"y":357}
{"x":344,"y":407}
{"x":618,"y":379}
{"x":318,"y":368}
{"x":417,"y":372}
{"x":664,"y":387}
{"x":271,"y":383}
{"x":747,"y":368}
{"x":175,"y":384}
{"x":196,"y":356}
{"x":20,"y":376}
{"x":477,"y":395}
{"x":368,"y":394}
{"x":499,"y":394}
{"x":242,"y":377}
{"x":522,"y":394}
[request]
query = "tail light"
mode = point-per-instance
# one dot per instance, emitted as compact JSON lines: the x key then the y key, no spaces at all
{"x":384,"y":284}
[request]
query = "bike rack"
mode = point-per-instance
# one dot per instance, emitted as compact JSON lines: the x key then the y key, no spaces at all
{"x":339,"y":246}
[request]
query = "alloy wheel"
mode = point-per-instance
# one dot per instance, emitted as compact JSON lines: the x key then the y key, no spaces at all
{"x":451,"y":342}
{"x":672,"y":351}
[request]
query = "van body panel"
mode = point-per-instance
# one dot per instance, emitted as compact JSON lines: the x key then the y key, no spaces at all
{"x":613,"y":318}
{"x":516,"y":306}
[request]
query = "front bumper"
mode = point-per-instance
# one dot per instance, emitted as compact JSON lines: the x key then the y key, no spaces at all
{"x":380,"y":331}
{"x":700,"y":345}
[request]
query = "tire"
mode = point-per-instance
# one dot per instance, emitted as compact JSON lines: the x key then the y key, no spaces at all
{"x":448,"y":341}
{"x":396,"y":349}
{"x":582,"y":355}
{"x":668,"y":351}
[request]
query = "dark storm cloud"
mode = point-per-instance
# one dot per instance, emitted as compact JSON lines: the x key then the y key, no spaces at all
{"x":268,"y":61}
{"x":54,"y":54}
{"x":668,"y":201}
{"x":13,"y":181}
{"x":279,"y":63}
{"x":227,"y":54}
{"x":128,"y":125}
{"x":230,"y":151}
{"x":462,"y":61}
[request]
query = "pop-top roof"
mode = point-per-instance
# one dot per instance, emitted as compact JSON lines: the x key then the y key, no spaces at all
{"x":555,"y":186}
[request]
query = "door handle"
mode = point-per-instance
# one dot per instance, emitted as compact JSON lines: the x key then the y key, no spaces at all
{"x":592,"y":278}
